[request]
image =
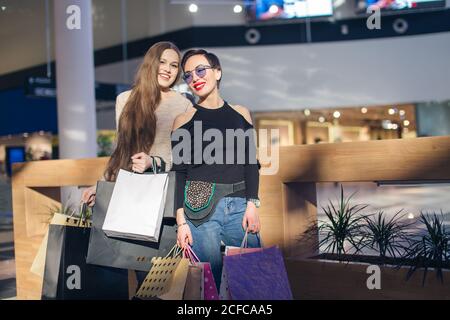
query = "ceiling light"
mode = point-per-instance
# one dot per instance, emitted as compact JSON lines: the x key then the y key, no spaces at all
{"x":273,"y":9}
{"x":237,"y":9}
{"x":193,"y":8}
{"x":385,"y":124}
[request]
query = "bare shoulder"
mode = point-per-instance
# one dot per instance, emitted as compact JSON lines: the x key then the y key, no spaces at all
{"x":183,"y":118}
{"x":243,"y":111}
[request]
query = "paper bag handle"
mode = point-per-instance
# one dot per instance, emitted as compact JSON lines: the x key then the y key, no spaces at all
{"x":244,"y":243}
{"x":190,"y":254}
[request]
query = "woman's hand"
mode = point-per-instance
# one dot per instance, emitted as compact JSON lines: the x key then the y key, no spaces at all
{"x":141,"y":162}
{"x":88,"y":196}
{"x":184,"y":235}
{"x":251,"y":218}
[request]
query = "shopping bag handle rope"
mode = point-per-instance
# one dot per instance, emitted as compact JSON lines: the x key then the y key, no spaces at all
{"x":190,"y":254}
{"x":83,"y":213}
{"x":162,"y":166}
{"x":174,"y":252}
{"x":244,"y":243}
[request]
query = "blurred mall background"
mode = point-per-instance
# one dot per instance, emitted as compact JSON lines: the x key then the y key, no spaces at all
{"x":311,"y":68}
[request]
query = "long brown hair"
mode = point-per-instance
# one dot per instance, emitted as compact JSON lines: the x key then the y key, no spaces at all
{"x":137,"y":123}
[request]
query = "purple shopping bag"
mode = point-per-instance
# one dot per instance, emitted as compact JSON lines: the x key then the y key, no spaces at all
{"x":257,"y":275}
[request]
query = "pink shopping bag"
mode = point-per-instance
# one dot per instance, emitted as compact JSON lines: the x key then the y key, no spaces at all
{"x":209,"y":285}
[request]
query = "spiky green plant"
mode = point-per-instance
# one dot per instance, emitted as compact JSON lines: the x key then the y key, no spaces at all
{"x":431,"y":249}
{"x":344,"y":225}
{"x":386,"y":236}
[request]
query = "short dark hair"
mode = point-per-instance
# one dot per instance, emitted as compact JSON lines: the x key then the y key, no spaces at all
{"x":213,"y":60}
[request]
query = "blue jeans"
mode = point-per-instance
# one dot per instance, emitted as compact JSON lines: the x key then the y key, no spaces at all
{"x":224,"y":225}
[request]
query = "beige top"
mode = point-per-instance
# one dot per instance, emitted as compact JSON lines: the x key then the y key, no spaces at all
{"x":166,"y":113}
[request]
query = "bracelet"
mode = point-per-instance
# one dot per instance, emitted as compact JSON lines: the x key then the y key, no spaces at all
{"x":184,"y":223}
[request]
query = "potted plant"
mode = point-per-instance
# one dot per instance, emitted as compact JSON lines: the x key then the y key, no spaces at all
{"x":105,"y":143}
{"x":324,"y":276}
{"x":431,"y":248}
{"x":389,"y":237}
{"x":342,"y":231}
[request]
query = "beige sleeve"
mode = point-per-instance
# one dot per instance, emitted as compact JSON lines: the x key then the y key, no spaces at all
{"x":121,"y":100}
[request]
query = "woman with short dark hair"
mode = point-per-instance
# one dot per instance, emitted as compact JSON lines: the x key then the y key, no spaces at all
{"x":217,"y":192}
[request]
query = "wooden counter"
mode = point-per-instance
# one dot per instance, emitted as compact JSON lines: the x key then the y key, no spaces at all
{"x":288,"y":198}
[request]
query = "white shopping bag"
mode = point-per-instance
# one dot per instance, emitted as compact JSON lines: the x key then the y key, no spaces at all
{"x":136,"y":207}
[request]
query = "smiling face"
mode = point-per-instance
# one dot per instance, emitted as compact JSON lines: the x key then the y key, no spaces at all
{"x":205,"y":81}
{"x":168,"y":68}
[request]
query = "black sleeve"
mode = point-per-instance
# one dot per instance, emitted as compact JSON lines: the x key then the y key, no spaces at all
{"x":180,"y":182}
{"x":251,"y":170}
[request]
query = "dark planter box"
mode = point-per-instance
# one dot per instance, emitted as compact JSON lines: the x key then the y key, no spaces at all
{"x":323,"y":279}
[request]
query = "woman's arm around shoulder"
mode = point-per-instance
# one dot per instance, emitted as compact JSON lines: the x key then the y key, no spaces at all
{"x":183,"y":118}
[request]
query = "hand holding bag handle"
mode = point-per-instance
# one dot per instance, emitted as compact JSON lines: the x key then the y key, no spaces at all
{"x":162,"y":166}
{"x":159,"y":168}
{"x":244,"y":243}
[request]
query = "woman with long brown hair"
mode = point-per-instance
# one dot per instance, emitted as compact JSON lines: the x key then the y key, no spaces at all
{"x":145,"y":115}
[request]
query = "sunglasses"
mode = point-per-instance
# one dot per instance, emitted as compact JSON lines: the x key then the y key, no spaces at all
{"x":200,"y":71}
